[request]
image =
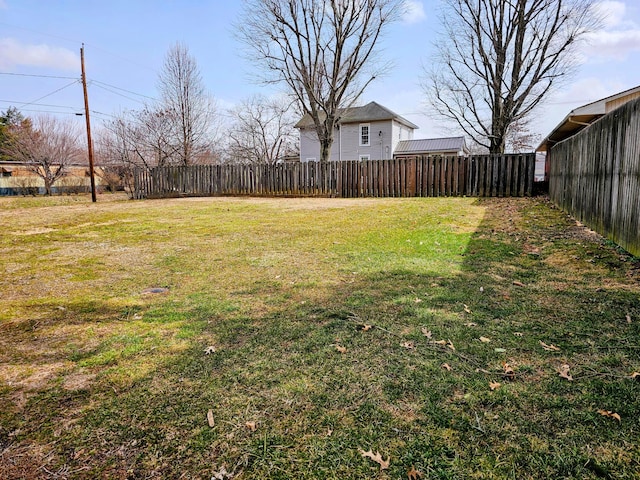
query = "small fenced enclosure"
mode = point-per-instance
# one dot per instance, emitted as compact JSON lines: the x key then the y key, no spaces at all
{"x":424,"y":176}
{"x":595,"y":176}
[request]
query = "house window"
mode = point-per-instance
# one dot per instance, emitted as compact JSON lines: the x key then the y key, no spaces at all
{"x":6,"y":173}
{"x":311,"y":159}
{"x":364,"y":135}
{"x":364,"y":158}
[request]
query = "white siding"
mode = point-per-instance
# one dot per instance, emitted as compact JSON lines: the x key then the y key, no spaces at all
{"x":380,"y":141}
{"x":400,"y":132}
{"x":310,"y":146}
{"x":384,"y":137}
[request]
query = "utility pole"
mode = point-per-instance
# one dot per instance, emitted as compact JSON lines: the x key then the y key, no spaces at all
{"x":86,"y":116}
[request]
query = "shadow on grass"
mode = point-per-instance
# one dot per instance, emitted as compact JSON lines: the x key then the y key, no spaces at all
{"x":287,"y":403}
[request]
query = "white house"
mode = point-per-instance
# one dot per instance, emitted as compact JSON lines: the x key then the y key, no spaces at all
{"x":371,"y":132}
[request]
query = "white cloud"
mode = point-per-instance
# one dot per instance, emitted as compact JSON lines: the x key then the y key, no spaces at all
{"x":612,"y":12}
{"x":13,"y":53}
{"x":614,"y":45}
{"x":618,"y":37}
{"x":414,"y":12}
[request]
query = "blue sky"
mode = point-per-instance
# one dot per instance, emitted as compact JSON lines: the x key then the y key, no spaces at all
{"x":126,"y":41}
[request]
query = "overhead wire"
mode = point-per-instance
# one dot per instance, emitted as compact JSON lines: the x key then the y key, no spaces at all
{"x":37,"y":76}
{"x":13,"y":102}
{"x":116,"y":93}
{"x":50,"y":111}
{"x":97,"y":82}
{"x":49,"y":94}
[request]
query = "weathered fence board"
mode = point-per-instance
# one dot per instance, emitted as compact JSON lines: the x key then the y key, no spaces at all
{"x":595,"y":176}
{"x":420,"y":176}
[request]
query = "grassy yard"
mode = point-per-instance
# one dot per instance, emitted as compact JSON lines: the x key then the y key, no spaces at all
{"x":456,"y":338}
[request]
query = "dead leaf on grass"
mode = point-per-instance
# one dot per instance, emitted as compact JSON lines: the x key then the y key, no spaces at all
{"x":635,"y":375}
{"x":417,"y":300}
{"x":467,"y":309}
{"x":408,"y":345}
{"x":478,"y":370}
{"x":210,"y":419}
{"x":384,"y":464}
{"x":209,"y":350}
{"x":450,"y":345}
{"x":222,"y":474}
{"x":426,"y":333}
{"x":610,"y":414}
{"x":446,"y":366}
{"x":414,"y":474}
{"x":563,"y":371}
{"x":494,"y":385}
{"x":251,"y":426}
{"x":470,"y":324}
{"x":365,"y":327}
{"x":628,"y":317}
{"x":329,"y":432}
{"x":549,"y":348}
{"x":518,"y":334}
{"x":509,"y":373}
{"x":440,"y":342}
{"x":485,"y":339}
{"x":518,"y":284}
{"x":341,"y":349}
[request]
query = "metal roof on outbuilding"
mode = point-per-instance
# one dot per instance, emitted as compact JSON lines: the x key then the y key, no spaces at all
{"x":428,"y":145}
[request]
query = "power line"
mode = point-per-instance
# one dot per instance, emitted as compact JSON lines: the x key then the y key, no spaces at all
{"x":117,"y":93}
{"x":49,"y":111}
{"x":40,"y":104}
{"x":103,"y":114}
{"x":37,"y":76}
{"x":123,"y":89}
{"x":49,"y":94}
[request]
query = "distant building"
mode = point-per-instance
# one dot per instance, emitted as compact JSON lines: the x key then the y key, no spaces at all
{"x":373,"y":132}
{"x":447,"y":146}
{"x":581,"y":117}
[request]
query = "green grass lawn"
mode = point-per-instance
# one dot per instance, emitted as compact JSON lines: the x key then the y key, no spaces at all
{"x":431,"y":331}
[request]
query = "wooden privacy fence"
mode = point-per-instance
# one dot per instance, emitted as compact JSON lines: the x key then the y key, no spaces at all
{"x":483,"y":176}
{"x":595,"y":176}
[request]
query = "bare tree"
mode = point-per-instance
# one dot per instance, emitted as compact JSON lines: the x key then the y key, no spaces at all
{"x":47,"y":148}
{"x":262,"y":131}
{"x":499,"y":59}
{"x":185,"y":105}
{"x":520,"y":138}
{"x":321,"y":49}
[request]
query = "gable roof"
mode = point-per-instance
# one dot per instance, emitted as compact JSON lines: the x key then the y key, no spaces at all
{"x":371,"y":112}
{"x":429,"y":145}
{"x":583,"y":116}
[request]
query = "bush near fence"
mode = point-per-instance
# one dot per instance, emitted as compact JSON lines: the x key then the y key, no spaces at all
{"x":595,"y":176}
{"x":487,"y":175}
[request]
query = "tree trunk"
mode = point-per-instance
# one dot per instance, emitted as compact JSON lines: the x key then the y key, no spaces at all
{"x":47,"y":186}
{"x":325,"y":149}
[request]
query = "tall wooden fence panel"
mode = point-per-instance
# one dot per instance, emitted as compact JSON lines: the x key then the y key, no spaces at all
{"x":595,"y":176}
{"x":421,"y":176}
